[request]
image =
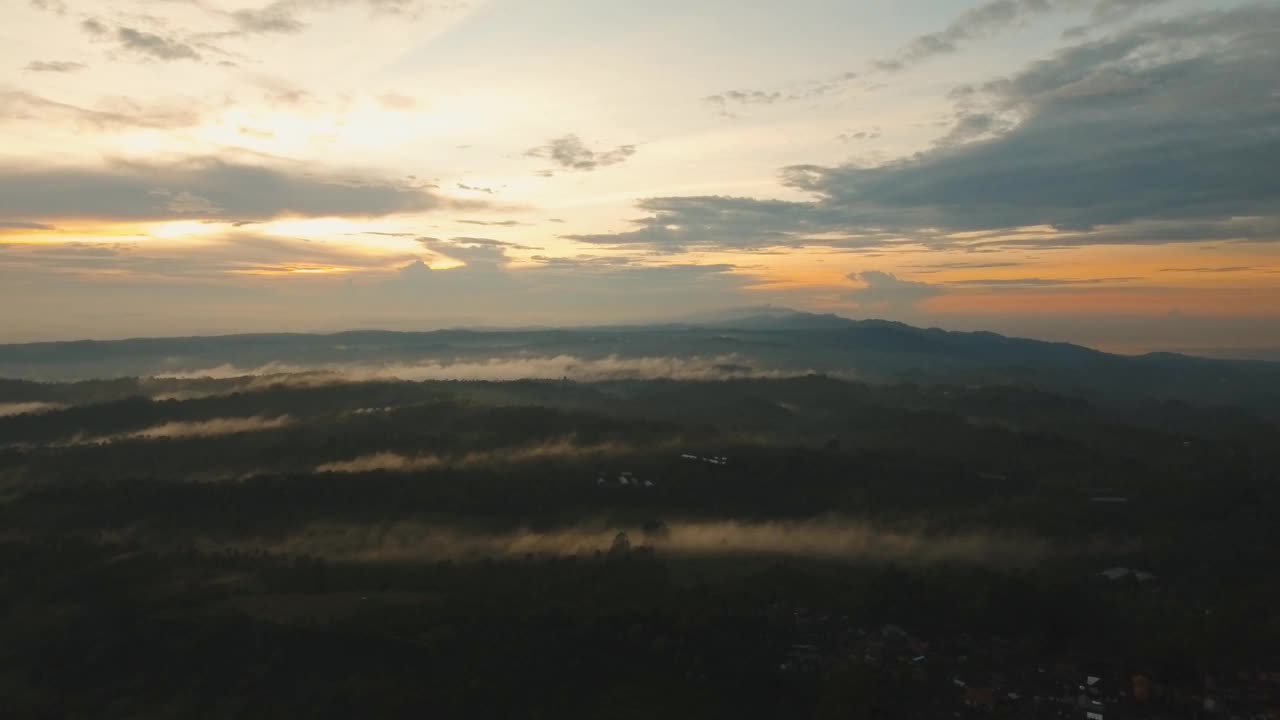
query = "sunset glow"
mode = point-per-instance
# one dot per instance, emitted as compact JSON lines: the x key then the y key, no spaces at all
{"x":936,"y":165}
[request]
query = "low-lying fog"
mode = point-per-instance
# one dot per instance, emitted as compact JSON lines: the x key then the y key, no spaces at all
{"x":834,"y":539}
{"x":502,"y":368}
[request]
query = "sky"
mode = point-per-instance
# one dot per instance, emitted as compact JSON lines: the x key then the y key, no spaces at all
{"x":1095,"y":171}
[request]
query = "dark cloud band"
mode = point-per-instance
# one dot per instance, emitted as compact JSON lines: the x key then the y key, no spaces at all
{"x":202,"y":188}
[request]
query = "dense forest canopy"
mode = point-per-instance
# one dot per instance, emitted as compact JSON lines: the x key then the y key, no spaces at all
{"x":381,"y":543}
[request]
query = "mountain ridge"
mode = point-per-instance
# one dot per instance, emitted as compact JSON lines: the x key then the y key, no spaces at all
{"x":777,"y":341}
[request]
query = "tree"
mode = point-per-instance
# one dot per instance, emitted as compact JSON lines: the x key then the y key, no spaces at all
{"x":621,"y":546}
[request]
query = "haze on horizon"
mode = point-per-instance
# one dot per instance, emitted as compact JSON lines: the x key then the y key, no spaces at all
{"x":1096,"y":171}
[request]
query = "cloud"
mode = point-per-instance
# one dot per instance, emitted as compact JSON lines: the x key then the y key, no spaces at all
{"x":155,"y":46}
{"x":388,"y":7}
{"x":992,"y":283}
{"x":1141,"y":232}
{"x":1167,"y":131}
{"x":148,"y":287}
{"x":476,"y":253}
{"x":561,"y":449}
{"x":562,"y":291}
{"x":974,"y":23}
{"x":274,"y":18}
{"x":284,"y":16}
{"x":210,"y":428}
{"x":94,"y":26}
{"x":882,"y":291}
{"x":184,"y":202}
{"x":751,"y":97}
{"x":677,"y":224}
{"x":23,"y":225}
{"x":476,"y":188}
{"x":480,"y":242}
{"x":983,"y":21}
{"x":394,"y":101}
{"x":973,"y":126}
{"x":208,"y":187}
{"x":54,"y":66}
{"x":579,"y":369}
{"x":226,"y":255}
{"x":28,"y":408}
{"x":838,"y":539}
{"x":194,"y":429}
{"x":570,"y":153}
{"x":384,"y":462}
{"x":281,"y":94}
{"x":860,"y":135}
{"x":963,"y":265}
{"x":496,"y":223}
{"x":24,"y":106}
{"x":58,"y":7}
{"x":1138,"y":126}
{"x":580,"y":262}
{"x":996,"y":15}
{"x":723,"y":100}
{"x":1226,"y":269}
{"x":490,"y":242}
{"x":1106,"y":12}
{"x":1113,"y":8}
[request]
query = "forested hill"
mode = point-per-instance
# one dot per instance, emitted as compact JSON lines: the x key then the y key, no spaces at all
{"x":776,"y":342}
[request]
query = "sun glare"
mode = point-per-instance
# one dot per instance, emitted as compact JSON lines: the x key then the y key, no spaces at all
{"x":312,"y":227}
{"x":182,"y":228}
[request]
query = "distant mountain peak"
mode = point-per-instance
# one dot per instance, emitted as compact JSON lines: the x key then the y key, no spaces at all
{"x":737,"y":313}
{"x":771,"y":317}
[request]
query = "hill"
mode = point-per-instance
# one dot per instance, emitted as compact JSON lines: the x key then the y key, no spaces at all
{"x":755,"y":340}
